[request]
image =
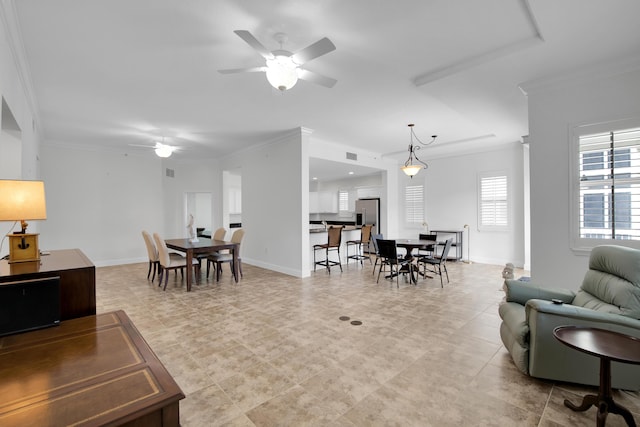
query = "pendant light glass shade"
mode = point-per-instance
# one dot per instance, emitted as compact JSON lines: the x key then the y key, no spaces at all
{"x":411,"y":170}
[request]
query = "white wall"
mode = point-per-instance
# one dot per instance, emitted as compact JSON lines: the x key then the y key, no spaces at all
{"x":554,"y":108}
{"x":203,"y":176}
{"x":451,"y":201}
{"x":15,"y":90}
{"x":100,"y":202}
{"x":275,"y":203}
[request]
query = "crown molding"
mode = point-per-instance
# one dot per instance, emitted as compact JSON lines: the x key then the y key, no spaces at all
{"x":13,"y":32}
{"x":583,"y":74}
{"x":488,"y":56}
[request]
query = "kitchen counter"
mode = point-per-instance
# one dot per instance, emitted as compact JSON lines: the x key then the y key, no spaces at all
{"x":344,"y":228}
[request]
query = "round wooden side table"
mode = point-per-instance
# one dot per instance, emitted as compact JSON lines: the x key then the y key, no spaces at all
{"x":608,"y":346}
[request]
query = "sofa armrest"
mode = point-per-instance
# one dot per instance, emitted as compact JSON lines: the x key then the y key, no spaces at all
{"x":521,"y":292}
{"x":574,"y":315}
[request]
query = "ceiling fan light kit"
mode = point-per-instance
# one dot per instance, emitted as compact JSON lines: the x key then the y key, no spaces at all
{"x":413,"y":165}
{"x":282,"y":72}
{"x":163,"y":150}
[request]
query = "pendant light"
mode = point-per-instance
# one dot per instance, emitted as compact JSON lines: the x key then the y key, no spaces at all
{"x":413,"y":165}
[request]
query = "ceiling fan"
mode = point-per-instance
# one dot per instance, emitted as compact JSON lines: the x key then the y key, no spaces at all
{"x":284,"y":68}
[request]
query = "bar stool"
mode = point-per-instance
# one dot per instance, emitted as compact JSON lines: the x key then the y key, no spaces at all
{"x":365,"y":239}
{"x":334,"y":239}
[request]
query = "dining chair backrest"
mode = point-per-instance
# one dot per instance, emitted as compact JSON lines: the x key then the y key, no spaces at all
{"x":445,"y":251}
{"x":335,"y":236}
{"x":163,"y":251}
{"x":388,"y":250}
{"x":237,"y":237}
{"x":219,"y":234}
{"x":365,"y":233}
{"x":374,"y":239}
{"x":151,"y":247}
{"x":428,"y":237}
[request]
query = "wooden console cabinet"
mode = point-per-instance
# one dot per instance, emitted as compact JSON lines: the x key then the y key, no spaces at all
{"x":90,"y":371}
{"x":77,"y":279}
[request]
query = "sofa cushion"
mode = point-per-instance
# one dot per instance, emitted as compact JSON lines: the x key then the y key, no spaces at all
{"x":612,"y":284}
{"x":617,"y":260}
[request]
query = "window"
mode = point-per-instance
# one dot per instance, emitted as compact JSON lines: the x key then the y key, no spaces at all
{"x":414,"y":204}
{"x":493,"y":201}
{"x":343,"y":200}
{"x":608,"y":173}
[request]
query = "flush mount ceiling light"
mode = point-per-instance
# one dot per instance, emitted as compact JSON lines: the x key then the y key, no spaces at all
{"x":413,"y":165}
{"x":284,"y":68}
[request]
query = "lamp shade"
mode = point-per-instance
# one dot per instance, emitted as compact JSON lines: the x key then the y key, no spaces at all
{"x":22,"y":200}
{"x":411,"y":170}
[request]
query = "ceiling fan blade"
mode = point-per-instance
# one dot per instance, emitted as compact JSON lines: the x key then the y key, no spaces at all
{"x":254,"y":43}
{"x":243,"y":70}
{"x":316,"y":78}
{"x":313,"y":51}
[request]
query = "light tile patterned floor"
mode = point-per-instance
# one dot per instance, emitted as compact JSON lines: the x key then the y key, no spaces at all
{"x":272,"y":351}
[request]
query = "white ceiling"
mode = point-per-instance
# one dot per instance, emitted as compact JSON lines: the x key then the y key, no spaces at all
{"x":120,"y":72}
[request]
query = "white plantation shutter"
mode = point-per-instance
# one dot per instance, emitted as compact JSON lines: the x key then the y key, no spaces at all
{"x":494,"y":203}
{"x":414,"y":203}
{"x":343,"y":200}
{"x":609,"y":185}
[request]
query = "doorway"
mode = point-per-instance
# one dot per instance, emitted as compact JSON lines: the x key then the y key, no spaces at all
{"x":198,"y":204}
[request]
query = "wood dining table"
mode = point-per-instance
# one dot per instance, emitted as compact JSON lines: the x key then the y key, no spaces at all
{"x":203,"y":246}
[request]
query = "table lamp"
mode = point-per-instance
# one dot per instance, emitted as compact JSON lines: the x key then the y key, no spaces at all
{"x":22,"y":201}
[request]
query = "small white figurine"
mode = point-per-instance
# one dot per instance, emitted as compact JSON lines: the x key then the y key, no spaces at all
{"x":507,"y":273}
{"x":192,"y":229}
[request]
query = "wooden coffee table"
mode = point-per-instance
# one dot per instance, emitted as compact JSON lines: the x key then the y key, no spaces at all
{"x":608,"y":346}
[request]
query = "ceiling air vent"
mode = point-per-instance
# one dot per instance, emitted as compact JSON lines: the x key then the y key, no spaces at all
{"x":352,"y":156}
{"x":170,"y":173}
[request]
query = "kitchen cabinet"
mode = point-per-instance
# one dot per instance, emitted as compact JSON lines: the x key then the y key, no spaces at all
{"x":314,"y":206}
{"x":323,"y":202}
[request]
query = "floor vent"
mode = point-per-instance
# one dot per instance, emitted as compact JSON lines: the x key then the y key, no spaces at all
{"x":352,"y":156}
{"x":170,"y":173}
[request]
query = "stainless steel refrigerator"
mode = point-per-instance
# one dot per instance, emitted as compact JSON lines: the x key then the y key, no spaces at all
{"x":368,"y":212}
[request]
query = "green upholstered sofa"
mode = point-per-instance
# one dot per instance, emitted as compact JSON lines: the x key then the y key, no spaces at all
{"x":609,"y":298}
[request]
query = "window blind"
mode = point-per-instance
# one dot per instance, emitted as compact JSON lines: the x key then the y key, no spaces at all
{"x":343,"y":200}
{"x":609,"y":176}
{"x":493,"y":201}
{"x":414,"y":204}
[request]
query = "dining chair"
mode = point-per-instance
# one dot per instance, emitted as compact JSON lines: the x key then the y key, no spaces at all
{"x":365,"y":239}
{"x":219,"y":234}
{"x":430,"y":249}
{"x":167,"y":262}
{"x":389,"y":256}
{"x":152,"y":251}
{"x":219,"y":258}
{"x":374,"y":241}
{"x":436,"y":264}
{"x":334,"y":239}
